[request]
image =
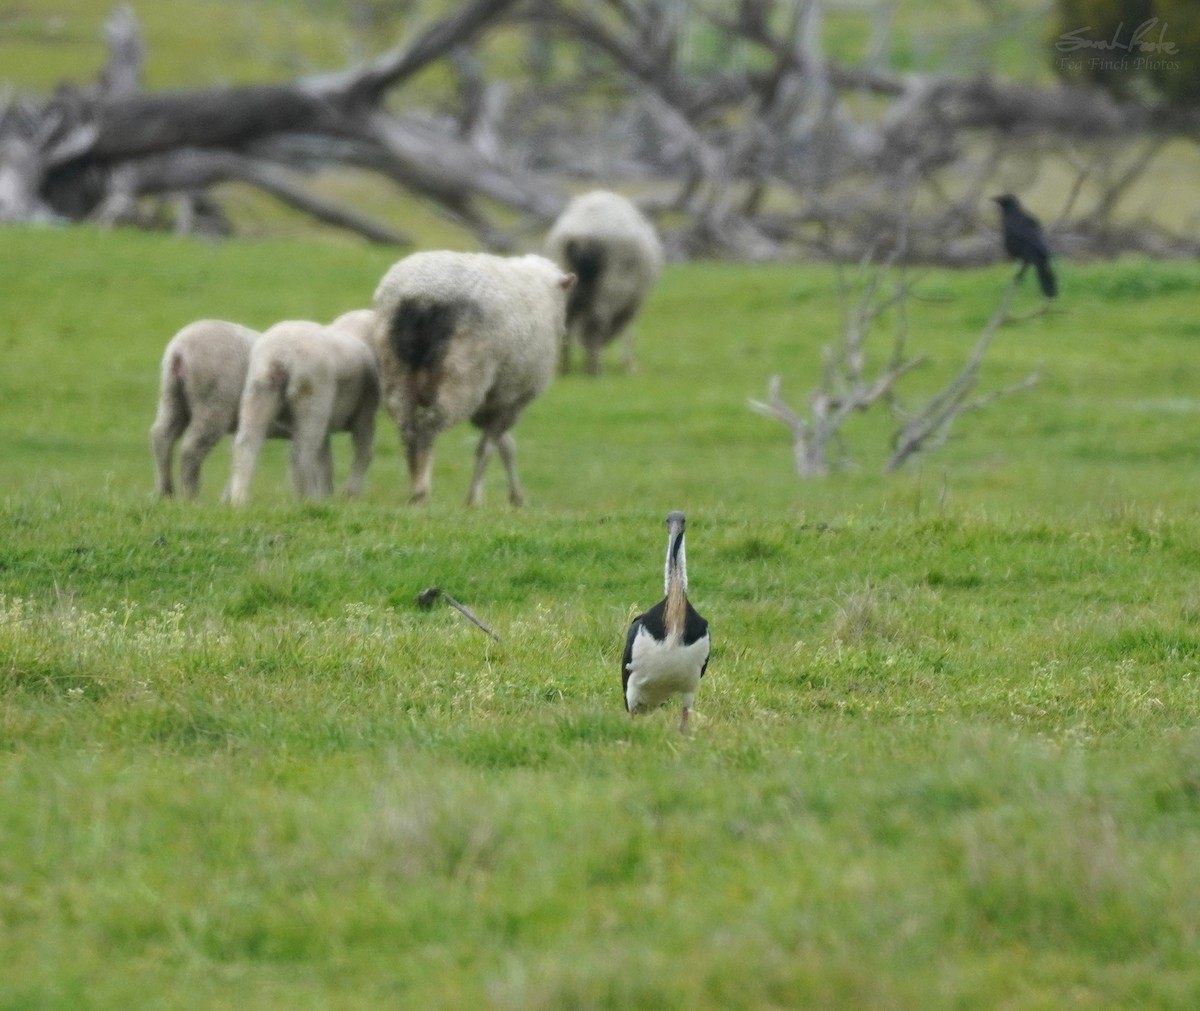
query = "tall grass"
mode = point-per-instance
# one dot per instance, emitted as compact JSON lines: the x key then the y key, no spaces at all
{"x":945,"y":755}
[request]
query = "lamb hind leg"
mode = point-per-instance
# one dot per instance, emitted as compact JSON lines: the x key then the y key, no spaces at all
{"x":312,"y":463}
{"x":198,"y":442}
{"x":164,"y":433}
{"x":483,"y":453}
{"x":247,"y":445}
{"x":259,"y":408}
{"x":508,"y":456}
{"x":326,"y":467}
{"x":362,"y":435}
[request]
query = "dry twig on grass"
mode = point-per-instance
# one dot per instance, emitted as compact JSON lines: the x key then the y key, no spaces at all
{"x":427,"y":596}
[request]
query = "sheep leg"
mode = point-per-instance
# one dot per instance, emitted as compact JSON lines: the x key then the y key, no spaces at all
{"x":310,"y":454}
{"x":508,"y":456}
{"x":419,"y":451}
{"x":564,"y":353}
{"x":260,"y":406}
{"x":627,"y":352}
{"x":164,"y":433}
{"x":312,"y":408}
{"x":247,"y":444}
{"x":305,"y":464}
{"x":593,"y":359}
{"x":620,"y":325}
{"x":483,"y":453}
{"x":312,"y":466}
{"x":198,"y":442}
{"x":362,"y":435}
{"x":325,"y":468}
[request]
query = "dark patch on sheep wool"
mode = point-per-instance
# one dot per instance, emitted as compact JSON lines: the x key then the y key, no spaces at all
{"x":419,"y":334}
{"x":420,"y":331}
{"x":586,"y":258}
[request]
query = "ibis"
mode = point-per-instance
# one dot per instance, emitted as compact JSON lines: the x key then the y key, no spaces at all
{"x":666,"y":651}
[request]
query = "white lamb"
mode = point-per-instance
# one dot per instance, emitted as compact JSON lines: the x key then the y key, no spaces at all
{"x":308,"y":381}
{"x":466,"y":336}
{"x":201,"y":379}
{"x":359,"y":322}
{"x":616,"y":254}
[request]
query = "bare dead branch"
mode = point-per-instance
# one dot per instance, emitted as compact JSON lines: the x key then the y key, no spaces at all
{"x":364,"y":88}
{"x":122,"y":74}
{"x":845,"y":385}
{"x":810,"y":458}
{"x":930,"y":426}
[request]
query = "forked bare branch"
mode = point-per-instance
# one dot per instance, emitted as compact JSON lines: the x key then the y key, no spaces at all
{"x":848,"y":384}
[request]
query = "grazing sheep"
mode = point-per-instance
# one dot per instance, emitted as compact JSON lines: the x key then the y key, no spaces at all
{"x":308,"y":381}
{"x":466,"y":335}
{"x":616,"y":254}
{"x":201,"y":379}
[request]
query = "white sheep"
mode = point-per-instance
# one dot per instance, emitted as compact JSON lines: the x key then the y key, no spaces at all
{"x":466,"y":336}
{"x":308,"y":381}
{"x":201,"y":379}
{"x":616,"y":254}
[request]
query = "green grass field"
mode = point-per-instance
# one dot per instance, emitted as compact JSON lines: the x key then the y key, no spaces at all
{"x":946,"y":755}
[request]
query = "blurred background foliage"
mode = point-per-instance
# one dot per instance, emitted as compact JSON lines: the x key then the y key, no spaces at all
{"x":1131,"y":47}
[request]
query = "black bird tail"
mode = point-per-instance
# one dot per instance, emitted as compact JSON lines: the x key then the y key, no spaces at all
{"x":1047,"y":279}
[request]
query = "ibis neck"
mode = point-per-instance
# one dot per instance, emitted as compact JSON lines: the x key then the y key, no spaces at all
{"x":676,"y":586}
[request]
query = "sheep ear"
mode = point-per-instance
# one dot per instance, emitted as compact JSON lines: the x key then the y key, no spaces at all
{"x":567,"y":281}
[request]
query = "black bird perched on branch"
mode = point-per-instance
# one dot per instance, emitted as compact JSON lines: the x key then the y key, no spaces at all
{"x":666,"y":652}
{"x":1024,"y":240}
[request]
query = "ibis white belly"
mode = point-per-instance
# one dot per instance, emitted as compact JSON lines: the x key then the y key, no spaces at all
{"x":659,"y":670}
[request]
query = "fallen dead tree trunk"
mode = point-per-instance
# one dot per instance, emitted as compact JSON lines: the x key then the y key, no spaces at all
{"x":93,"y":153}
{"x":765,"y":156}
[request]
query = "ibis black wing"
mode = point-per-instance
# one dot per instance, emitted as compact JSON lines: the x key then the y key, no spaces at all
{"x":627,"y":659}
{"x":696,"y":628}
